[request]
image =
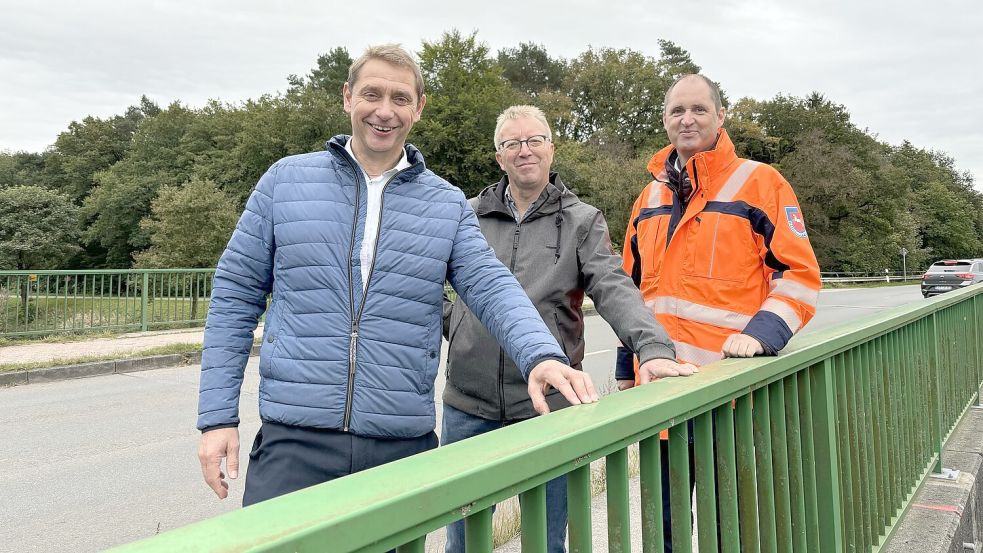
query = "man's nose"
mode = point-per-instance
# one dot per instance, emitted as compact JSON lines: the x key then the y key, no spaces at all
{"x":688,"y":118}
{"x":385,"y":109}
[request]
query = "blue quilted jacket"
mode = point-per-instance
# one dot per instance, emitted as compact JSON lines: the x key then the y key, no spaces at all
{"x":332,"y":357}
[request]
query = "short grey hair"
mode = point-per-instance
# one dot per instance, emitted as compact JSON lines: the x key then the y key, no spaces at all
{"x":714,"y":91}
{"x":520,"y":112}
{"x":390,"y":53}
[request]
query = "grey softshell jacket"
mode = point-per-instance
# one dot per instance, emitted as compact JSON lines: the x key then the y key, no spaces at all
{"x":560,"y":251}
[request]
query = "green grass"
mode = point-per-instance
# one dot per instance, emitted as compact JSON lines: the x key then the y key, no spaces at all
{"x":60,"y":338}
{"x":45,"y":315}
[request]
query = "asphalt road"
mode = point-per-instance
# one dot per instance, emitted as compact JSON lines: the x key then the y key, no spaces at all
{"x":92,"y":463}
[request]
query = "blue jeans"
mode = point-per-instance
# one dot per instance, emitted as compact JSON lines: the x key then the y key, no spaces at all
{"x":458,"y":425}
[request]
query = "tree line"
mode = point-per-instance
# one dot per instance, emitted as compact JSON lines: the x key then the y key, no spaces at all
{"x":163,"y":186}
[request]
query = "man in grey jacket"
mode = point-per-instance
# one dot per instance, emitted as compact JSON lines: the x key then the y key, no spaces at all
{"x":559,"y":250}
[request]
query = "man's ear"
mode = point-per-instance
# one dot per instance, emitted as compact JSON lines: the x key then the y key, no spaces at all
{"x":346,"y":94}
{"x":419,"y":108}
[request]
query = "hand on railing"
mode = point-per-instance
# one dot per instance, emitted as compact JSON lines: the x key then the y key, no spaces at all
{"x":212,"y":448}
{"x":576,"y":386}
{"x":654,"y":369}
{"x":742,"y":345}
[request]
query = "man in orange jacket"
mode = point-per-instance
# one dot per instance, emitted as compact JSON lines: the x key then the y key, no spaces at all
{"x":717,"y":244}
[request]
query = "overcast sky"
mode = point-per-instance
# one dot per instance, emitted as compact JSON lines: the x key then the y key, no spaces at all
{"x":904,"y":69}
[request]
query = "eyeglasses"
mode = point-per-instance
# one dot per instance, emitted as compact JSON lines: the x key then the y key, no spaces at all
{"x":534,"y":143}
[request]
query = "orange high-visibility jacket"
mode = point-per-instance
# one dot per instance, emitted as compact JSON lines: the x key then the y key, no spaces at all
{"x":737,"y":260}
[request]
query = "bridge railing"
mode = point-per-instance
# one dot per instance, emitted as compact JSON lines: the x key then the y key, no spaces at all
{"x":50,"y":302}
{"x":74,"y":301}
{"x":857,"y":276}
{"x":819,"y":449}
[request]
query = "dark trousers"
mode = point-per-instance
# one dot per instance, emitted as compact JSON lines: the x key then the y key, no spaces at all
{"x":285,"y":458}
{"x":666,"y":505}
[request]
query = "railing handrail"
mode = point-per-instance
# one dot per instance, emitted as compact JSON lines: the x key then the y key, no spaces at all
{"x":500,"y":464}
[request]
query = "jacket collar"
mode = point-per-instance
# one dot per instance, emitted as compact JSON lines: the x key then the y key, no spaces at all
{"x":337,"y":147}
{"x":708,"y":165}
{"x":492,"y":199}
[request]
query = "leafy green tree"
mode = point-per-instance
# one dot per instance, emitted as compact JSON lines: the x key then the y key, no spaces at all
{"x":674,"y":62}
{"x":38,"y":228}
{"x":21,"y":168}
{"x":188,"y":226}
{"x":465,"y":94}
{"x":327,"y":77}
{"x":751,"y":139}
{"x":90,"y":146}
{"x":122,"y":195}
{"x":617,"y":98}
{"x":787,"y":118}
{"x":531,"y":70}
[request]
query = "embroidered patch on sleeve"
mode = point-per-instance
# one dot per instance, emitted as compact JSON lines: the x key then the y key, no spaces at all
{"x":795,"y":221}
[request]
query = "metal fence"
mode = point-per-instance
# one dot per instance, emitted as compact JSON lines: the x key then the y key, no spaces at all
{"x":856,"y":276}
{"x":50,"y":302}
{"x":819,"y":449}
{"x":74,"y":301}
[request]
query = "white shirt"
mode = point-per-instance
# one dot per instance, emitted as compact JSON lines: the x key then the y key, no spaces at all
{"x":373,"y":211}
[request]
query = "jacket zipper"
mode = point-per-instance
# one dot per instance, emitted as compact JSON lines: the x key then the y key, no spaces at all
{"x":677,"y":200}
{"x":501,"y":352}
{"x":356,"y":317}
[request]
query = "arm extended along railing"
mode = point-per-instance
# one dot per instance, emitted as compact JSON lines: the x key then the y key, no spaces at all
{"x":818,"y":449}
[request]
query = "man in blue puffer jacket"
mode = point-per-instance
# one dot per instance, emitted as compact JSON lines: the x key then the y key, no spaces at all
{"x":354,"y":245}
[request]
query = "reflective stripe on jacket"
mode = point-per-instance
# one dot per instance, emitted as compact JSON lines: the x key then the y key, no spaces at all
{"x":738,"y":259}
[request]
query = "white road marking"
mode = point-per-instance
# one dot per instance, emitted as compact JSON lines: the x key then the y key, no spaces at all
{"x":598,"y":351}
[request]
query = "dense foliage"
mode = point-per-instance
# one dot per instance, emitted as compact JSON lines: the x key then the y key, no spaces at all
{"x":159,"y":185}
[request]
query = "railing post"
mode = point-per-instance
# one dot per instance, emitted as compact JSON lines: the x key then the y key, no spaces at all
{"x":144,"y":301}
{"x":935,"y":374}
{"x":826,"y":457}
{"x":977,"y":336}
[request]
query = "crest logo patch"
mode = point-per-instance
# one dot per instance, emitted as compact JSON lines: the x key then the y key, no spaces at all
{"x":795,"y":222}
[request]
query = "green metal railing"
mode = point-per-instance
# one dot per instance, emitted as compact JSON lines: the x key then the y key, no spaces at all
{"x":51,"y":302}
{"x":818,"y":450}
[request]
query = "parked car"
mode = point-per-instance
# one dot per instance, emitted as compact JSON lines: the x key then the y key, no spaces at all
{"x":951,"y":274}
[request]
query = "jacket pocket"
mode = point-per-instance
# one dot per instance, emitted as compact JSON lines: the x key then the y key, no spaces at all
{"x":431,"y":355}
{"x":652,"y":246}
{"x":257,"y":445}
{"x":456,"y":318}
{"x":720,"y":247}
{"x":558,"y":334}
{"x":271,"y":342}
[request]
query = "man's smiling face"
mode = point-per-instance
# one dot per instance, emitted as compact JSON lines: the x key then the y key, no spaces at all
{"x":691,"y":119}
{"x":383,"y":106}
